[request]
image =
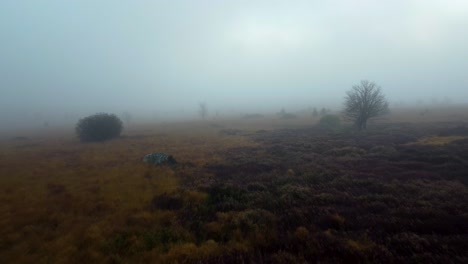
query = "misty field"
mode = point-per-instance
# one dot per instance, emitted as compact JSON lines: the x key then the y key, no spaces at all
{"x":257,"y":190}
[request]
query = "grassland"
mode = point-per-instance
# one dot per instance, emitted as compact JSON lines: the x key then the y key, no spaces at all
{"x":245,"y":191}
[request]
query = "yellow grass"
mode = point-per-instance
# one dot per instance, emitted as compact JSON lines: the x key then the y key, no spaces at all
{"x":438,"y":140}
{"x":62,"y":200}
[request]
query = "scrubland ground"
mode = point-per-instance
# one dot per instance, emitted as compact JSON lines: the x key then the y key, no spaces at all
{"x":262,"y":190}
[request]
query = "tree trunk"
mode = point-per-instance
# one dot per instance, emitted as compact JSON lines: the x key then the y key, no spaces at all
{"x":361,"y":123}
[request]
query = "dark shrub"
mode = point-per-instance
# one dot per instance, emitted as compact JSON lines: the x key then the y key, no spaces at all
{"x":346,"y":151}
{"x":227,"y":198}
{"x":332,"y":122}
{"x":383,"y":151}
{"x":99,"y":127}
{"x":167,"y":202}
{"x":54,"y":188}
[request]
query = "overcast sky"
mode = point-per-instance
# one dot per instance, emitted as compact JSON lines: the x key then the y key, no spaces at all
{"x":167,"y":56}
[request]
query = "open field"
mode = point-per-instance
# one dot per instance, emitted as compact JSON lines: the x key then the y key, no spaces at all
{"x":261,"y":190}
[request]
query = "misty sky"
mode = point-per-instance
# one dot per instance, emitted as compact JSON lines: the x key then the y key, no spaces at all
{"x":167,"y":56}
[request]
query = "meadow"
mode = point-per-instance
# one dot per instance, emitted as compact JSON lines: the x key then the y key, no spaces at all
{"x":257,"y":190}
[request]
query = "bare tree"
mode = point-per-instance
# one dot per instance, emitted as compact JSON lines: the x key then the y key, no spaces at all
{"x":363,"y":102}
{"x":203,"y":111}
{"x":323,"y":111}
{"x":127,"y":117}
{"x":315,"y":112}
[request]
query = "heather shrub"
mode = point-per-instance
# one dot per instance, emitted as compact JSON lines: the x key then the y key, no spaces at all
{"x":98,"y":127}
{"x":331,"y":122}
{"x":346,"y":151}
{"x":383,"y":151}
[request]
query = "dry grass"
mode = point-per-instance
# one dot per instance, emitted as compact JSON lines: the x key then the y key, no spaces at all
{"x":65,"y":202}
{"x":437,"y":140}
{"x":59,"y":195}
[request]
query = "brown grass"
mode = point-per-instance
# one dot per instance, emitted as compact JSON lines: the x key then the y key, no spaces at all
{"x":59,"y":195}
{"x":437,"y":140}
{"x":68,"y":202}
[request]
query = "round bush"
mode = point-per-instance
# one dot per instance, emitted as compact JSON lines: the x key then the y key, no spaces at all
{"x":99,"y":127}
{"x":330,"y":122}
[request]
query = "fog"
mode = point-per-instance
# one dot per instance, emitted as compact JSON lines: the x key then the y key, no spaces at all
{"x":62,"y":60}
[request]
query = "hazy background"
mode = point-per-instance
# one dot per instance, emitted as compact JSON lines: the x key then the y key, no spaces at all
{"x":61,"y":60}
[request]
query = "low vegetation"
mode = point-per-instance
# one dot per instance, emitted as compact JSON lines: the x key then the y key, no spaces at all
{"x":330,"y":122}
{"x":300,"y":195}
{"x":99,"y":127}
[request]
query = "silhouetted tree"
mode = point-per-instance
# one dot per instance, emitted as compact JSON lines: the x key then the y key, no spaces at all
{"x":315,"y":112}
{"x":323,"y":111}
{"x":203,"y":111}
{"x":285,"y":115}
{"x":365,"y":101}
{"x":282,"y":112}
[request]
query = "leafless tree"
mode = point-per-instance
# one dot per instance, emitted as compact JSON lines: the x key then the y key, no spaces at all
{"x":203,"y":111}
{"x":363,"y":102}
{"x":127,"y":117}
{"x":315,"y":112}
{"x":323,"y":111}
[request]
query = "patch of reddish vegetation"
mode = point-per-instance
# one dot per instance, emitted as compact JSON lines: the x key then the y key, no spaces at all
{"x":368,"y":197}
